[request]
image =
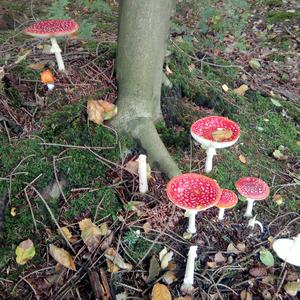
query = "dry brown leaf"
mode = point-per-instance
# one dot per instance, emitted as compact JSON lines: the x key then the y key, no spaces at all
{"x":91,"y":233}
{"x":112,"y":256}
{"x":62,"y":256}
{"x":233,"y":249}
{"x":212,"y":264}
{"x":221,"y":135}
{"x":241,"y":90}
{"x":64,"y":231}
{"x":147,"y":227}
{"x":241,"y":246}
{"x":169,"y":277}
{"x":258,"y":271}
{"x":220,"y":258}
{"x":160,"y":292}
{"x":242,"y":159}
{"x":107,"y":242}
{"x":132,"y":166}
{"x":95,"y":111}
{"x":154,"y":269}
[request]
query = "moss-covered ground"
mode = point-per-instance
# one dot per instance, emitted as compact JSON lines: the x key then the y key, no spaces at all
{"x":40,"y":129}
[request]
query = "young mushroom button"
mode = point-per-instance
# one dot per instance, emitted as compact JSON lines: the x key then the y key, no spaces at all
{"x":194,"y":193}
{"x":53,"y":29}
{"x":214,"y":132}
{"x":252,"y":189}
{"x":228,"y":200}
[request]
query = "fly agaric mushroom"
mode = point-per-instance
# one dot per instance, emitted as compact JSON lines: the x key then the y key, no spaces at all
{"x":53,"y":29}
{"x":214,"y":132}
{"x":288,"y":250}
{"x":252,"y":189}
{"x":228,"y":200}
{"x":188,"y":280}
{"x":193,"y":192}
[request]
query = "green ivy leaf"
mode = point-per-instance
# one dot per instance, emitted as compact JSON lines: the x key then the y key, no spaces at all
{"x":266,"y":257}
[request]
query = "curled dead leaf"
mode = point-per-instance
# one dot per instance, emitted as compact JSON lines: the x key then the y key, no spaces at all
{"x":95,"y":111}
{"x":115,"y":258}
{"x":64,"y":231}
{"x":62,"y":256}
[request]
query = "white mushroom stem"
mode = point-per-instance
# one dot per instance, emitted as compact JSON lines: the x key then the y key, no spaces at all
{"x":188,"y":281}
{"x":57,"y":51}
{"x":221,"y":213}
{"x":252,"y":222}
{"x":192,"y":221}
{"x":142,"y":169}
{"x":248,"y":213}
{"x":210,"y":153}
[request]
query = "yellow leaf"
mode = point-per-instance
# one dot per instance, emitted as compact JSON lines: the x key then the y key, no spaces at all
{"x":278,"y":199}
{"x":245,"y":295}
{"x":241,"y":90}
{"x":225,"y":88}
{"x":62,"y":256}
{"x":91,"y":233}
{"x":64,"y":231}
{"x":25,"y":251}
{"x":110,"y":110}
{"x":292,"y":288}
{"x":221,"y":135}
{"x":242,"y":159}
{"x":160,"y":292}
{"x":95,"y":111}
{"x":13,"y":211}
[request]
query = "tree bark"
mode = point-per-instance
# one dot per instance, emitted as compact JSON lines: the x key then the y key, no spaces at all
{"x":143,"y":32}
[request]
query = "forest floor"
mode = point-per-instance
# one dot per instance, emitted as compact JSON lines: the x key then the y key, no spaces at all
{"x":56,"y":168}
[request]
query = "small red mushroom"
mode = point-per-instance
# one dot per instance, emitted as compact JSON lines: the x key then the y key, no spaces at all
{"x":193,"y":192}
{"x":214,"y":132}
{"x":228,"y":200}
{"x":252,"y":189}
{"x":53,"y":29}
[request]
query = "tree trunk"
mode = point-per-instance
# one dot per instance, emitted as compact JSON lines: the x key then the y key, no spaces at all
{"x":143,"y":32}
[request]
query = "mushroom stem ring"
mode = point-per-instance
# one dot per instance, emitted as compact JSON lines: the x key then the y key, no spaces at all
{"x":57,"y":51}
{"x":210,"y":153}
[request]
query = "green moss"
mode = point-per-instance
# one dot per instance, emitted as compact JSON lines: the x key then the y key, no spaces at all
{"x":273,"y":3}
{"x":280,"y":16}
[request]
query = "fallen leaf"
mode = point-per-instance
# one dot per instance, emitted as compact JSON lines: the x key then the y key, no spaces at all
{"x":132,"y":166}
{"x":91,"y":234}
{"x":187,"y":235}
{"x":240,"y":91}
{"x":64,"y":231}
{"x":24,"y":252}
{"x":276,"y":102}
{"x":169,"y":277}
{"x":244,"y":77}
{"x":147,"y":227}
{"x":121,"y":296}
{"x":107,"y":242}
{"x":212,"y":264}
{"x":254,"y":64}
{"x":38,"y":66}
{"x":279,"y":155}
{"x":47,"y":77}
{"x":225,"y":88}
{"x":278,"y":199}
{"x":241,"y":246}
{"x":242,"y":159}
{"x":293,"y":276}
{"x":220,"y":258}
{"x":245,"y":295}
{"x":266,"y":257}
{"x":154,"y":269}
{"x":110,"y":110}
{"x":160,"y":292}
{"x":258,"y":271}
{"x":233,"y":249}
{"x":292,"y":288}
{"x":13,"y":211}
{"x":221,"y":135}
{"x":62,"y":256}
{"x":116,"y":259}
{"x":95,"y":111}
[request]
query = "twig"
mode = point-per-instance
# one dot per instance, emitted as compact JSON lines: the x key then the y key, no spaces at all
{"x":76,"y":146}
{"x":57,"y":181}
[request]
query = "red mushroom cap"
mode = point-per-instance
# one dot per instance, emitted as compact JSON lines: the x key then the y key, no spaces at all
{"x":228,"y":199}
{"x":206,"y":126}
{"x":252,"y":188}
{"x":52,"y":28}
{"x":193,"y":191}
